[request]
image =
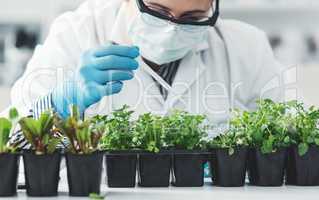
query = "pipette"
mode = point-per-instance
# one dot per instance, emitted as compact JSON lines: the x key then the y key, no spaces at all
{"x":153,"y":74}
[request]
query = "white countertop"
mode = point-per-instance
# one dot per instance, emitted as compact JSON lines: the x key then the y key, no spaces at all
{"x":208,"y":192}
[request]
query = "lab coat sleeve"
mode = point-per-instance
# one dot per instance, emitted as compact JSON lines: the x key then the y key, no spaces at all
{"x":56,"y":59}
{"x":268,"y":80}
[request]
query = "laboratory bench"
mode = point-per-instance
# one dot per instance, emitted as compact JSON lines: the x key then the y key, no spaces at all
{"x":207,"y":192}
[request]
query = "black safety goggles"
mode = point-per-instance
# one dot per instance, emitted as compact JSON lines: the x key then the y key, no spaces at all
{"x":211,"y":21}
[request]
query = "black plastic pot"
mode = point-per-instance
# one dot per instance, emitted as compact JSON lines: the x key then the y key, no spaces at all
{"x":154,"y":169}
{"x":229,"y":170}
{"x":121,"y":169}
{"x":266,"y":169}
{"x":188,"y":169}
{"x":84,"y":173}
{"x":303,"y":170}
{"x":42,"y":173}
{"x":9,"y":169}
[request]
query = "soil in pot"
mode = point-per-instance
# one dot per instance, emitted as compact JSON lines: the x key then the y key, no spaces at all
{"x":154,"y":169}
{"x":229,"y":170}
{"x":42,"y":173}
{"x":266,"y":169}
{"x":9,"y":168}
{"x":84,"y":173}
{"x":121,"y":169}
{"x":188,"y":169}
{"x":303,"y":170}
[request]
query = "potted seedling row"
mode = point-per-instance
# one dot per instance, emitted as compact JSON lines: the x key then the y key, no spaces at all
{"x":268,"y":132}
{"x":303,"y":155}
{"x":184,"y":135}
{"x":117,"y":141}
{"x":154,"y":162}
{"x":42,"y":161}
{"x":83,"y":158}
{"x":9,"y":158}
{"x":274,"y":139}
{"x":229,"y":158}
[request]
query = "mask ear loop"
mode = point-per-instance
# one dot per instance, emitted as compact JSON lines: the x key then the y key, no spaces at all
{"x":212,"y":9}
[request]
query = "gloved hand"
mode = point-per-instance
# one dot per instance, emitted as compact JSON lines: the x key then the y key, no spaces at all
{"x":101,"y":73}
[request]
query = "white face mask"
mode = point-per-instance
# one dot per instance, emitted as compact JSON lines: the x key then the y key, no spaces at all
{"x":161,"y":41}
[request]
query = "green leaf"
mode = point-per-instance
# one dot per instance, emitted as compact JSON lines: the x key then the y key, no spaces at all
{"x":116,"y":130}
{"x":38,"y":132}
{"x":287,"y":140}
{"x":310,"y":140}
{"x":95,"y":196}
{"x":46,"y":122}
{"x":30,"y":125}
{"x":74,"y":112}
{"x":5,"y":128}
{"x":149,"y":133}
{"x":82,"y":138}
{"x":303,"y":149}
{"x":231,"y":151}
{"x":28,"y":136}
{"x":53,"y":143}
{"x":267,"y":147}
{"x":13,"y":114}
{"x":45,"y":139}
{"x":183,"y":130}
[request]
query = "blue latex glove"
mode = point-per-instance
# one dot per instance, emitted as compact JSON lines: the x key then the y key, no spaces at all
{"x":101,"y":73}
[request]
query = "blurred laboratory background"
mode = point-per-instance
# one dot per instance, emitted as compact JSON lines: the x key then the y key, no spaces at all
{"x":292,"y":27}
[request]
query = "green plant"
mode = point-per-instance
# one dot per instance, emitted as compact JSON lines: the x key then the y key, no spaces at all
{"x":184,"y":131}
{"x":82,"y":134}
{"x":40,"y":133}
{"x":7,"y":126}
{"x":267,"y":127}
{"x":117,"y":130}
{"x":148,"y":133}
{"x":304,"y":130}
{"x":95,"y":196}
{"x":230,"y":140}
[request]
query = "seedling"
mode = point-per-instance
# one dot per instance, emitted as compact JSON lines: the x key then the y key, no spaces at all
{"x":117,"y":130}
{"x":83,"y":137}
{"x":304,"y":128}
{"x":267,"y":127}
{"x":230,"y":140}
{"x":149,"y":133}
{"x":7,"y":126}
{"x":184,"y":131}
{"x":40,"y":133}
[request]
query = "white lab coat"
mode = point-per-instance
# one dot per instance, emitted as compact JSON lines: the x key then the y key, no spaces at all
{"x":232,"y":69}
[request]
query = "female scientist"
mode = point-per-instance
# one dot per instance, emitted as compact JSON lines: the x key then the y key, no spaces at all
{"x":153,"y":55}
